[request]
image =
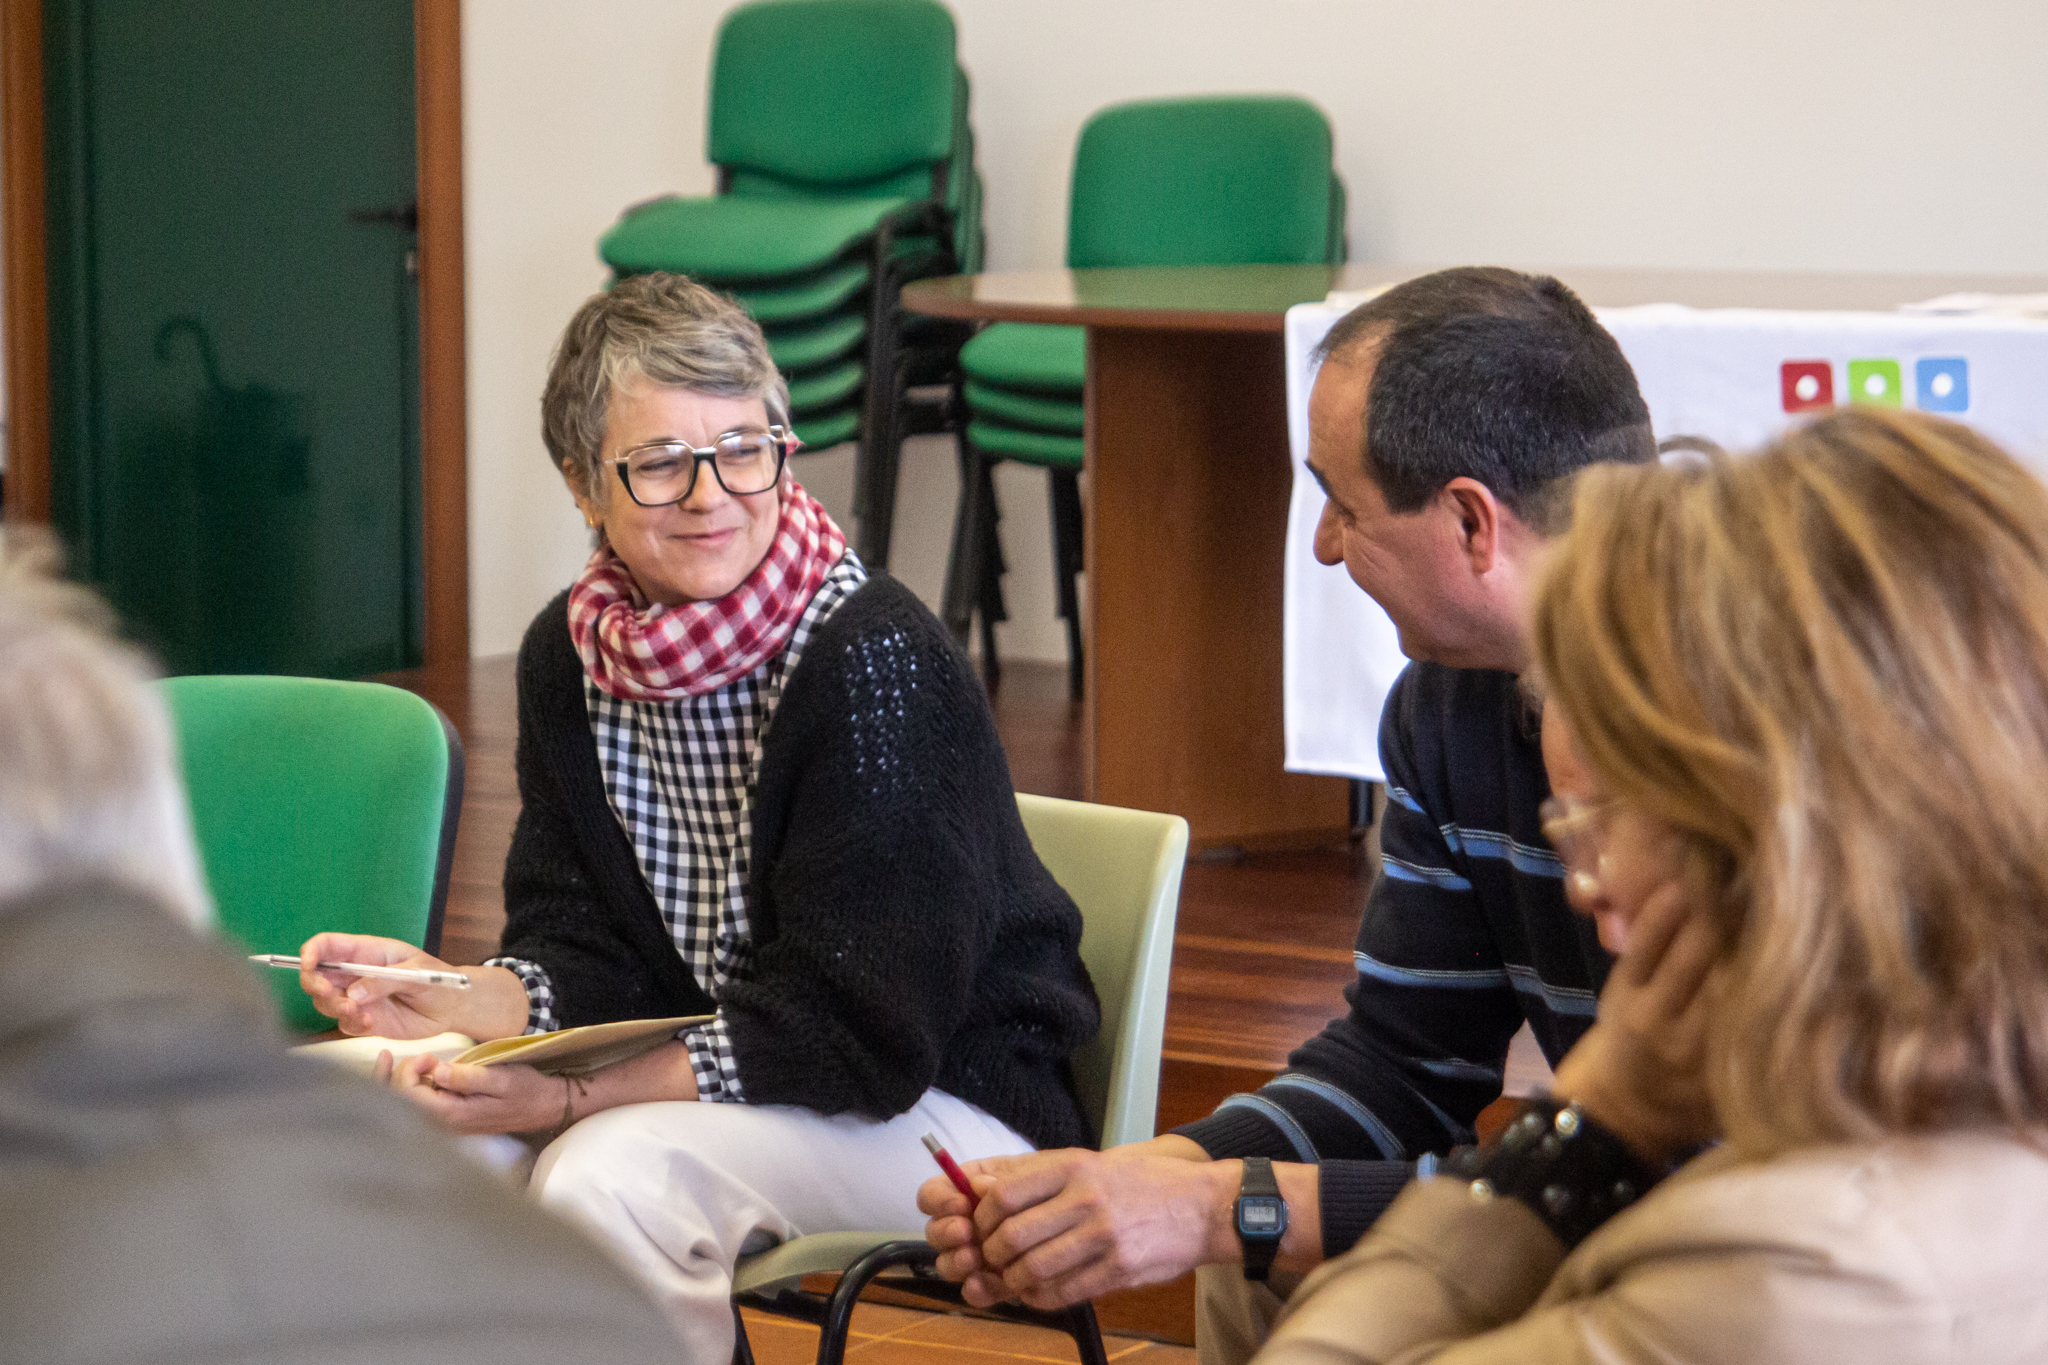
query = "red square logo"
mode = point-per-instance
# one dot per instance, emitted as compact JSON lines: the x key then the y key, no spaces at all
{"x":1806,"y":385}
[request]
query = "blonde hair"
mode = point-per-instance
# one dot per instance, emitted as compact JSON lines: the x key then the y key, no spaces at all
{"x":659,"y":327}
{"x":89,"y":778}
{"x":1826,"y":665}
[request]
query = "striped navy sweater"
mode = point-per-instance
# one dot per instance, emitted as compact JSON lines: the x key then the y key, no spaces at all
{"x":1465,"y":934}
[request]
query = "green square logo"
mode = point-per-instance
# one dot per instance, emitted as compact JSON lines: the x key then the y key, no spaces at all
{"x":1876,"y":381}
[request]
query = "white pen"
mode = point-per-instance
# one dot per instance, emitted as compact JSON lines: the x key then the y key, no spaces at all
{"x":455,"y":979}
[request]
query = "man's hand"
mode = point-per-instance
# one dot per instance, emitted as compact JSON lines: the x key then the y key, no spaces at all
{"x":1054,"y":1228}
{"x":478,"y":1099}
{"x":1640,"y":1070}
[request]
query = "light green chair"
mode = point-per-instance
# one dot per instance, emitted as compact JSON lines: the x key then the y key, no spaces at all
{"x":1212,"y":180}
{"x":318,"y":805}
{"x":1123,"y":869}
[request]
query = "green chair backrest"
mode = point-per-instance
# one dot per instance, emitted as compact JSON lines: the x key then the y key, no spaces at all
{"x":1221,"y":180}
{"x":318,"y":805}
{"x":1122,"y":867}
{"x":910,"y":182}
{"x":833,"y":92}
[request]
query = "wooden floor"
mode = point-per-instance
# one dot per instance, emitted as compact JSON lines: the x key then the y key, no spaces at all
{"x":1261,"y":956}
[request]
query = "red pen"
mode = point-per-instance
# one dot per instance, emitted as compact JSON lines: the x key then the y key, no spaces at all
{"x":952,"y":1170}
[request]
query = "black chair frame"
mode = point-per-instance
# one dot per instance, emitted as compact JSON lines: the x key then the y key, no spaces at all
{"x":833,"y":1313}
{"x":451,"y":817}
{"x":975,"y":570}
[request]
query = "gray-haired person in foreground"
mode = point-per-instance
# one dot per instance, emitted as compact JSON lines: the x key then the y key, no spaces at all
{"x":173,"y":1184}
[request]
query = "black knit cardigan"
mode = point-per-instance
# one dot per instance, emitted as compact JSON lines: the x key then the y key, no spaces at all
{"x":905,"y":935}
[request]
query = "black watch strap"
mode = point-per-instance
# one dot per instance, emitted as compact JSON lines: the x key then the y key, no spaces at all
{"x":1260,"y":1215}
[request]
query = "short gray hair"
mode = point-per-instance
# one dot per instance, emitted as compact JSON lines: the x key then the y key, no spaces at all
{"x":660,"y":327}
{"x":90,"y":785}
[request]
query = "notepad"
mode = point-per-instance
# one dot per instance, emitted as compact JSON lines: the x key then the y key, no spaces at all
{"x":566,"y":1052}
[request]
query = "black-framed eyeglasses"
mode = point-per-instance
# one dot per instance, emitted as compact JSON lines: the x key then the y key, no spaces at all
{"x":744,"y":462}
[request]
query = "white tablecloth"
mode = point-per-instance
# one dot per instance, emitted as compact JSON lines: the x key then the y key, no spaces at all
{"x":1736,"y":376}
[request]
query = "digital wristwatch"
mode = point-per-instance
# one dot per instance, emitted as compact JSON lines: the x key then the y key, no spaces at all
{"x":1261,"y":1216}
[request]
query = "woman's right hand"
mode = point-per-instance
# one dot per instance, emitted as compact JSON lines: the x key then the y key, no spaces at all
{"x":365,"y":1005}
{"x":1640,"y":1071}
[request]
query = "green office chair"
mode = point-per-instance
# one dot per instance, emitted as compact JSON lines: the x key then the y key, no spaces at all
{"x":1123,"y":868}
{"x":318,"y":805}
{"x":1214,"y":180}
{"x":845,"y":167}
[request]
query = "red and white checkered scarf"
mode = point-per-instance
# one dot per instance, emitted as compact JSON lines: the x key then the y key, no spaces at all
{"x":637,"y":653}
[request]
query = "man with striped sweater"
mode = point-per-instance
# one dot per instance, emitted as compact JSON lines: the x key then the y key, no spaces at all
{"x":1446,"y":423}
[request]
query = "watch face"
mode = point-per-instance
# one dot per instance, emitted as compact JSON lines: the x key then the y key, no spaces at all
{"x":1257,"y":1216}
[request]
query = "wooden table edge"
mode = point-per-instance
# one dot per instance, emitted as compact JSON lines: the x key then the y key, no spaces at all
{"x":917,"y":298}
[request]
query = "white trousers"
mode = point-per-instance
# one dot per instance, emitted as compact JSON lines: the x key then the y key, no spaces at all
{"x":678,"y":1190}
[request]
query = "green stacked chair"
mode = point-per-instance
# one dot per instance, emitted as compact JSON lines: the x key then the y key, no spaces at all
{"x":318,"y":805}
{"x":1224,"y":180}
{"x":845,"y":168}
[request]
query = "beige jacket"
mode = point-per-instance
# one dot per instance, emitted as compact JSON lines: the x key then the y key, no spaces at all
{"x":1918,"y":1250}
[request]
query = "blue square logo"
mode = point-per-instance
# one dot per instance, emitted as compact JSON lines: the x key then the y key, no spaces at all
{"x":1943,"y":383}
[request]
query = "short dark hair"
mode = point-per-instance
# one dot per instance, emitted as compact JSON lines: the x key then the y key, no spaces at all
{"x":660,"y":327}
{"x":1493,"y":375}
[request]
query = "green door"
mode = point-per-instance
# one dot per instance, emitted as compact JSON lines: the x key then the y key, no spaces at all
{"x":234,"y":326}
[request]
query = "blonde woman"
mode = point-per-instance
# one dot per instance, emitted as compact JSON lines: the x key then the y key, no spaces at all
{"x":1797,"y":728}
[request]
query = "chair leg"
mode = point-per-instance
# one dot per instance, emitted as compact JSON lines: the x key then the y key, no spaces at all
{"x":874,"y":483}
{"x":865,"y":443}
{"x":839,"y":1311}
{"x":1077,"y":670}
{"x":1066,"y":553}
{"x":833,"y":1314}
{"x":742,"y":1349}
{"x":965,"y":564}
{"x":1087,"y":1334}
{"x":992,"y":571}
{"x":878,"y":524}
{"x":991,"y":665}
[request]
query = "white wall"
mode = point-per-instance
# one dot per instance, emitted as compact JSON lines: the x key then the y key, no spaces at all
{"x":1870,"y":134}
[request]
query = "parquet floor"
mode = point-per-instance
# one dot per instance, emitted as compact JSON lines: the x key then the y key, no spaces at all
{"x":1261,"y":958}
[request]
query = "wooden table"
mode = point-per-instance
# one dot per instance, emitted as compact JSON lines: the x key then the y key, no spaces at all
{"x":1186,"y":511}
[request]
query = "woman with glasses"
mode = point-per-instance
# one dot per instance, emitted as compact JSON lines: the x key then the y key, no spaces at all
{"x":1797,"y":731}
{"x":756,"y":784}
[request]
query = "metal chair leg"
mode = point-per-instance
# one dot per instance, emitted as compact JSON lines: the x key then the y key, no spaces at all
{"x":1066,"y":554}
{"x":838,"y":1321}
{"x":965,"y":563}
{"x":873,"y":505}
{"x":878,"y":521}
{"x":992,"y":570}
{"x":833,"y":1314}
{"x":1087,"y":1334}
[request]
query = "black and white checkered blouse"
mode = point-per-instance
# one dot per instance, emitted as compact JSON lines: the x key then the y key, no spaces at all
{"x":680,"y":777}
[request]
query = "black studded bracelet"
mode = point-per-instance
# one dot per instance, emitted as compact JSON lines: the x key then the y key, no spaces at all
{"x":1572,"y":1173}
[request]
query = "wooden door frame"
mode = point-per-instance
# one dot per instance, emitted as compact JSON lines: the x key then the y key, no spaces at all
{"x":444,"y":440}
